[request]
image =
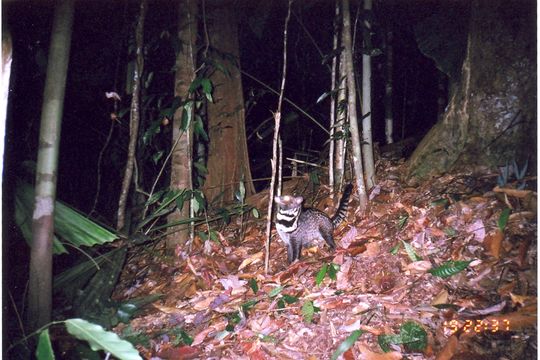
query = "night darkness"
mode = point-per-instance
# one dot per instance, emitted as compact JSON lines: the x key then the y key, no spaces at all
{"x":102,"y":36}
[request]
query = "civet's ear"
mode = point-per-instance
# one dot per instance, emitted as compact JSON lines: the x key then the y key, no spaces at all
{"x":299,"y":200}
{"x":278,"y":200}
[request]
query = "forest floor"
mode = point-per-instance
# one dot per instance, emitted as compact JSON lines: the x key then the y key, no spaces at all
{"x":441,"y":271}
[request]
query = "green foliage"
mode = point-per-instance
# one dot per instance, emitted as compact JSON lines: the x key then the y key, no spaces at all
{"x":402,"y":220}
{"x":440,"y":202}
{"x":253,"y":285}
{"x":346,"y":344}
{"x":411,"y":252}
{"x":411,"y":334}
{"x":503,"y":219}
{"x":449,"y":268}
{"x":309,"y":310}
{"x":135,"y":337}
{"x":69,"y":225}
{"x":181,"y":337}
{"x":275,"y":291}
{"x":100,"y":339}
{"x":44,"y":349}
{"x":327,"y":269}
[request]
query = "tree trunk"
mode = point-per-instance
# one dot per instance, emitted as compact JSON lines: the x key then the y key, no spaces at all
{"x":367,"y":141}
{"x":333,"y":100}
{"x":182,"y":153}
{"x":341,"y":142}
{"x":228,"y":161}
{"x":40,"y":283}
{"x":388,"y":113}
{"x":491,"y":117}
{"x":135,"y":115}
{"x":351,"y":106}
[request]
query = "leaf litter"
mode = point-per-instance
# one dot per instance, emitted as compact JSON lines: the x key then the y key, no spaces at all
{"x":440,"y":271}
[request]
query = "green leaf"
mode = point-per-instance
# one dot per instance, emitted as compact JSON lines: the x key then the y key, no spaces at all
{"x":275,"y":291}
{"x":201,"y":168}
{"x":253,"y":285}
{"x":44,"y":349}
{"x":323,"y":96}
{"x":198,"y":128}
{"x":241,"y":193}
{"x":411,"y":252}
{"x":194,"y":84}
{"x":321,"y":274}
{"x":281,"y":304}
{"x":346,"y":344}
{"x":187,"y":114}
{"x":449,"y":268}
{"x":255,"y":213}
{"x":414,"y":336}
{"x":182,"y":337}
{"x":289,"y":299}
{"x":314,"y":177}
{"x":333,"y":270}
{"x":503,"y":219}
{"x":206,"y":85}
{"x":402,"y":221}
{"x":157,"y":156}
{"x":450,"y":231}
{"x":394,"y":250}
{"x":248,"y":305}
{"x":308,"y":310}
{"x":385,"y":340}
{"x":100,"y":339}
{"x":441,"y":202}
{"x":69,"y":224}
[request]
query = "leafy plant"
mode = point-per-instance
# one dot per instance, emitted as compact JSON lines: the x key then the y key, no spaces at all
{"x":96,"y":337}
{"x":346,"y":344}
{"x":449,"y":268}
{"x":411,"y":252}
{"x":327,"y":269}
{"x":69,"y":225}
{"x":412,"y":335}
{"x":503,"y":219}
{"x":309,"y":310}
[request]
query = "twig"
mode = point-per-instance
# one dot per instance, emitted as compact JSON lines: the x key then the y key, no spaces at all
{"x":275,"y":143}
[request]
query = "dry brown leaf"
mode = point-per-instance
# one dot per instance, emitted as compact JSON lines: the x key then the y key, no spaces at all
{"x":440,"y":298}
{"x":513,"y":192}
{"x":492,"y":243}
{"x":253,"y":259}
{"x":449,"y":350}
{"x":522,"y":300}
{"x":367,"y":354}
{"x":372,"y":249}
{"x":167,"y":309}
{"x":419,"y":266}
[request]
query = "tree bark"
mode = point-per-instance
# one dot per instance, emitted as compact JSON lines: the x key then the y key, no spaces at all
{"x":367,"y":138}
{"x":388,"y":113}
{"x":182,"y":153}
{"x":491,"y":117}
{"x":351,"y":106}
{"x":40,"y":283}
{"x":228,"y":161}
{"x":134,"y":120}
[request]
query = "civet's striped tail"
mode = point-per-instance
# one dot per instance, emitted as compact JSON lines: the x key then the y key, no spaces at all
{"x":341,"y":212}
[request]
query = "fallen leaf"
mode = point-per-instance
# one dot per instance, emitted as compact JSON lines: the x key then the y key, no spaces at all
{"x":367,"y":354}
{"x":253,"y":259}
{"x":449,"y":350}
{"x":492,"y":243}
